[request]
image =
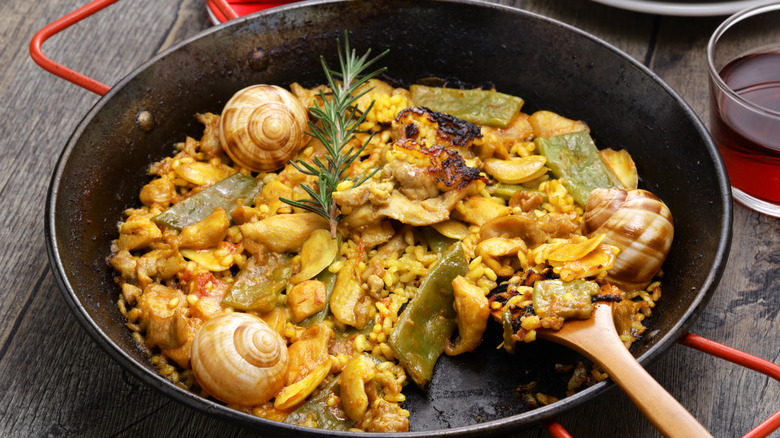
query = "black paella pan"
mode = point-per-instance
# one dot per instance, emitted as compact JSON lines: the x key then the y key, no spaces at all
{"x":551,"y":65}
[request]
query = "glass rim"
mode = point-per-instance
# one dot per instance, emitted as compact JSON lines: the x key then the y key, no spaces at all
{"x":715,"y":74}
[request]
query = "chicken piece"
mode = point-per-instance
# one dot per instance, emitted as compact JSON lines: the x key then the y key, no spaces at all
{"x":396,"y":244}
{"x":183,"y":353}
{"x":416,"y":182}
{"x":472,"y":313}
{"x":308,"y":96}
{"x":559,"y":226}
{"x":514,"y":226}
{"x":430,"y":179}
{"x":479,"y":210}
{"x":384,"y":416}
{"x":201,"y":173}
{"x":500,"y":254}
{"x":138,"y":231}
{"x":276,"y":318}
{"x":499,"y":141}
{"x":526,"y":200}
{"x":124,"y":263}
{"x":272,"y":192}
{"x":413,"y":212}
{"x":209,"y":143}
{"x":209,"y":292}
{"x":372,"y":191}
{"x":158,"y":193}
{"x":376,"y":233}
{"x":130,"y":293}
{"x":158,"y":265}
{"x":161,"y":316}
{"x":549,"y":124}
{"x":284,"y":232}
{"x":451,"y":170}
{"x":421,"y":124}
{"x":347,"y":292}
{"x":207,"y":233}
{"x":305,"y":299}
{"x":308,"y":352}
{"x":357,"y":373}
{"x":416,"y":213}
{"x":427,"y":212}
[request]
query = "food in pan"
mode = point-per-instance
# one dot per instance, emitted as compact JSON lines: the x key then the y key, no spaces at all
{"x":318,"y":249}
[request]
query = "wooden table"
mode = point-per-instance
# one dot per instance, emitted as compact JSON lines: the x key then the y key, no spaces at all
{"x":55,"y":381}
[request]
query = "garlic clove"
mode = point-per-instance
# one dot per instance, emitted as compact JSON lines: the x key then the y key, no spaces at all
{"x":517,"y":170}
{"x":574,"y":251}
{"x":452,"y":229}
{"x":294,"y":394}
{"x":200,"y":173}
{"x":317,"y":253}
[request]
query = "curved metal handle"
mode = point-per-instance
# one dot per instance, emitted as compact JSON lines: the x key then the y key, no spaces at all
{"x":57,"y":69}
{"x":74,"y":17}
{"x":727,"y":353}
{"x":556,"y":430}
{"x":743,"y":359}
{"x":225,"y":8}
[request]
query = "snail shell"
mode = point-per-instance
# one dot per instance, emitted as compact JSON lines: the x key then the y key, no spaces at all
{"x":639,"y":224}
{"x":238,"y":358}
{"x":262,"y":127}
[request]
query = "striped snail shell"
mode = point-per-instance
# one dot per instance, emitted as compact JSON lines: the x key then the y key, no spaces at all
{"x":262,"y":127}
{"x":639,"y":224}
{"x":238,"y":358}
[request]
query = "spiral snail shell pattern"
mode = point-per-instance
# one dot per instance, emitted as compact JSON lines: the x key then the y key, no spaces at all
{"x":639,"y":224}
{"x":238,"y":358}
{"x":262,"y":127}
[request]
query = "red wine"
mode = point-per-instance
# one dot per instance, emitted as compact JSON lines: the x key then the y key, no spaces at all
{"x":749,"y":139}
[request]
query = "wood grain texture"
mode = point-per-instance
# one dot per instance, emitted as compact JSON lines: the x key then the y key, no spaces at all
{"x":55,"y":381}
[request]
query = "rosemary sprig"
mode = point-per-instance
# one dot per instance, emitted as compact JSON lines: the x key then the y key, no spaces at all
{"x":340,"y":119}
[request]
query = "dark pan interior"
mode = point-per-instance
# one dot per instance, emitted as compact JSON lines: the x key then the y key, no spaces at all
{"x":552,"y":66}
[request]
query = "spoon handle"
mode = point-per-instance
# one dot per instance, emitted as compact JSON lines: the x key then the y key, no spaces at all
{"x":601,"y":344}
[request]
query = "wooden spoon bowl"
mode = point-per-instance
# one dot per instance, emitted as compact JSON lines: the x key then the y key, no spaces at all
{"x":597,"y":339}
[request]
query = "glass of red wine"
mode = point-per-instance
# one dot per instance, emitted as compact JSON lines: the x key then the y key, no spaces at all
{"x":744,"y":65}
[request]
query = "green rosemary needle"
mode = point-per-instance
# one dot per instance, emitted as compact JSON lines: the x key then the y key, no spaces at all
{"x":339,"y":121}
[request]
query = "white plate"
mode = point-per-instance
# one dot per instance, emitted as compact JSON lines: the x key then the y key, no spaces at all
{"x":689,"y":8}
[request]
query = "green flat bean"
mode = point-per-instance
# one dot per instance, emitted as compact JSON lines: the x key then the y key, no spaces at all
{"x":575,"y":160}
{"x":483,"y":107}
{"x":428,"y":321}
{"x":228,"y":193}
{"x":257,"y":289}
{"x":317,"y":409}
{"x":329,"y":280}
{"x":564,"y":299}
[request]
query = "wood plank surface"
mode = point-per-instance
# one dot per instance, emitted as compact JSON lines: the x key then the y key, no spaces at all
{"x":55,"y":381}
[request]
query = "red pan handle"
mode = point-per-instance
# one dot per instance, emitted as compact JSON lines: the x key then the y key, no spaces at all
{"x":727,"y":353}
{"x":225,"y":8}
{"x":54,"y":28}
{"x":743,"y":359}
{"x":74,"y":17}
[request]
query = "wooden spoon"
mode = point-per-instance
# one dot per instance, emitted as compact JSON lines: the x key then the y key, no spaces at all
{"x":597,"y":339}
